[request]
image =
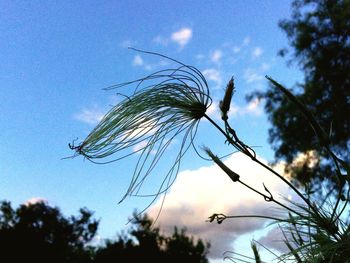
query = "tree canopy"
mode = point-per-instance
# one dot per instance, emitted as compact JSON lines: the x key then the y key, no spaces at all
{"x":319,"y":35}
{"x":147,"y":244}
{"x":40,"y":233}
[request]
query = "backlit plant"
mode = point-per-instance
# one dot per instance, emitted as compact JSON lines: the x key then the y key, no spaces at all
{"x":168,"y":105}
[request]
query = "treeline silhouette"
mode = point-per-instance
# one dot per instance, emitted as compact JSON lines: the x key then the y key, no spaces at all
{"x":40,"y":233}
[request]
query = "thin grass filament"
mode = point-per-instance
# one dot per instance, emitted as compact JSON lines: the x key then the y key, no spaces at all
{"x":164,"y":106}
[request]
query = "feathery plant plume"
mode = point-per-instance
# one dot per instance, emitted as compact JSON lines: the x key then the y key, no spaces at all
{"x":168,"y":105}
{"x":165,"y":105}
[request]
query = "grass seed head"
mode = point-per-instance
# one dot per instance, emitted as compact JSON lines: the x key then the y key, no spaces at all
{"x":226,"y":102}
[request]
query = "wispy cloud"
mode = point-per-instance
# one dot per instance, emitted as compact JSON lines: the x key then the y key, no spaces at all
{"x":257,"y":52}
{"x":216,"y":56}
{"x":182,"y":36}
{"x":213,"y":75}
{"x":252,"y":75}
{"x":197,"y":194}
{"x":35,"y":200}
{"x":236,"y":49}
{"x":229,"y":53}
{"x":214,"y":111}
{"x":246,"y":41}
{"x":90,"y":116}
{"x":137,"y":61}
{"x":139,"y":146}
{"x":264,"y":67}
{"x":200,"y":57}
{"x":254,"y":107}
{"x":161,"y":40}
{"x":274,"y":240}
{"x":126,"y":43}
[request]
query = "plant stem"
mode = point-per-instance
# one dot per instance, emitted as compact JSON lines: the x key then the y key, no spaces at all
{"x":263,"y":165}
{"x":258,"y":216}
{"x":270,"y":199}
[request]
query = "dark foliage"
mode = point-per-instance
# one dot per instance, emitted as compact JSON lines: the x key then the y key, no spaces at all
{"x":319,"y":34}
{"x":147,"y":244}
{"x":40,"y":233}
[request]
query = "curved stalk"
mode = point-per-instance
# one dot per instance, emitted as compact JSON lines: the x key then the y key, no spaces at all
{"x":271,"y":199}
{"x":261,"y":163}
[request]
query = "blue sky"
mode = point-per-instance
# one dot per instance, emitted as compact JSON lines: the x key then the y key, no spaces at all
{"x":57,"y":56}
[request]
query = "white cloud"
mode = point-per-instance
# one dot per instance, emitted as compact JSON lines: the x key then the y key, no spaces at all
{"x":251,"y":75}
{"x":246,"y":41}
{"x":197,"y":194}
{"x":213,"y":75}
{"x":138,"y":148}
{"x":253,"y":107}
{"x":216,"y":56}
{"x":236,"y":49}
{"x":257,"y":52}
{"x":161,"y":40}
{"x":274,"y":240}
{"x":309,"y":158}
{"x":264,"y":67}
{"x":256,"y":74}
{"x":90,"y":116}
{"x":97,"y":240}
{"x":182,"y":37}
{"x":200,"y":56}
{"x":234,"y":110}
{"x":35,"y":200}
{"x":214,"y":111}
{"x":126,"y":43}
{"x":137,"y":61}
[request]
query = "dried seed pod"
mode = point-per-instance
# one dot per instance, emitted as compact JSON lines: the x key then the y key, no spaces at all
{"x":234,"y":176}
{"x":226,"y":102}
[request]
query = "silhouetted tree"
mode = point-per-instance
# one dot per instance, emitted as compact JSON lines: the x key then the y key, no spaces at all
{"x":40,"y":233}
{"x":147,"y":244}
{"x":182,"y":248}
{"x":319,"y":34}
